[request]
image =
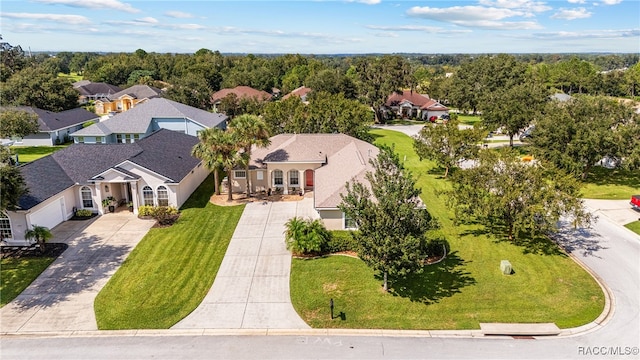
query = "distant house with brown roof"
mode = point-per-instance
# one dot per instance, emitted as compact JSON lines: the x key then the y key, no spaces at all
{"x":300,"y":92}
{"x":322,"y":163}
{"x":94,"y":91}
{"x":410,"y":104}
{"x":240,"y":92}
{"x":126,"y":99}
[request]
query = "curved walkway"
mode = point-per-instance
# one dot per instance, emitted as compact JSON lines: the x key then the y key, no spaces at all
{"x":251,"y":289}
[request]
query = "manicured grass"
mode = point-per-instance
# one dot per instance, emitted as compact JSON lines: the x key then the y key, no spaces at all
{"x":405,"y":122}
{"x":611,"y":184}
{"x":171,"y":270}
{"x":17,"y":273}
{"x":469,"y":119}
{"x":30,"y":153}
{"x":634,"y":226}
{"x":73,"y":77}
{"x":459,"y":293}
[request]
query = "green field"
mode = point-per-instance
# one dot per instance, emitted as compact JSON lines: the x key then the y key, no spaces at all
{"x":171,"y":270}
{"x":459,"y":293}
{"x":30,"y":153}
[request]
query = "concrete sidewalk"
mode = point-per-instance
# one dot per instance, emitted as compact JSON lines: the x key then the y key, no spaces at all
{"x":61,"y":298}
{"x":251,"y":289}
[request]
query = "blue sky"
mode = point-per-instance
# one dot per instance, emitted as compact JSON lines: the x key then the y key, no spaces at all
{"x":323,"y":27}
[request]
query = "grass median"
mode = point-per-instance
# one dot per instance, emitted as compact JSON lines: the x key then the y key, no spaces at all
{"x":458,"y":293}
{"x":171,"y":270}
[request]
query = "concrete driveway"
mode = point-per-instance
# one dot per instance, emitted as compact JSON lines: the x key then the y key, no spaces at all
{"x":251,"y":289}
{"x":618,"y":211}
{"x":61,"y":298}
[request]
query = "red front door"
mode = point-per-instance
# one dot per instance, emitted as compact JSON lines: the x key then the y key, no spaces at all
{"x":308,"y":174}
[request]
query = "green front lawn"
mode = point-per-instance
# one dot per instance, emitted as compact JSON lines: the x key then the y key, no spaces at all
{"x":611,"y":184}
{"x":30,"y":153}
{"x":469,"y":119}
{"x":17,"y":273}
{"x":634,"y":226}
{"x":459,"y":293}
{"x":171,"y":270}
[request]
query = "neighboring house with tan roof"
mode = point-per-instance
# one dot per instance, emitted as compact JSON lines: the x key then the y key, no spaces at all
{"x":126,"y":99}
{"x":300,"y":92}
{"x":409,"y":104}
{"x":54,"y":128}
{"x":150,"y":116}
{"x":322,"y":163}
{"x":240,"y":92}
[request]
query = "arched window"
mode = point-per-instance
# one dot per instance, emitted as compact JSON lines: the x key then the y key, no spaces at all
{"x":5,"y":227}
{"x":163,"y":196}
{"x":277,"y":177}
{"x":85,"y":195}
{"x":147,"y":195}
{"x":294,"y":179}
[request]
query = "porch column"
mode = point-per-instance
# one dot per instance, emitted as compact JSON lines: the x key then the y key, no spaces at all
{"x":285,"y":181}
{"x":98,"y":187}
{"x":134,"y":195}
{"x":301,"y":181}
{"x":269,"y":180}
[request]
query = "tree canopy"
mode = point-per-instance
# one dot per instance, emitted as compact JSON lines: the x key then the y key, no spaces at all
{"x":391,"y":219}
{"x":12,"y":185}
{"x":17,"y":123}
{"x":515,"y":198}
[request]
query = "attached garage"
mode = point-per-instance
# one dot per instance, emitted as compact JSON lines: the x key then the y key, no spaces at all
{"x":49,"y":215}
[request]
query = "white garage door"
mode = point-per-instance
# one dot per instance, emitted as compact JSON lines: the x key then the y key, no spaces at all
{"x":50,"y":215}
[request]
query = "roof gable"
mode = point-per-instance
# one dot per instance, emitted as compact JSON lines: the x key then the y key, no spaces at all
{"x":138,"y":92}
{"x":241,"y":92}
{"x":413,"y":97}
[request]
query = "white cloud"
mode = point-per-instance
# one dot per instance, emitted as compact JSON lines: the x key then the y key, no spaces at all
{"x":93,"y":4}
{"x":428,"y":29}
{"x":153,"y":22}
{"x":571,"y":14}
{"x":475,"y":16}
{"x":589,"y":34}
{"x":368,"y":2}
{"x":178,"y":14}
{"x":59,"y":18}
{"x":526,"y":5}
{"x":611,"y":2}
{"x":147,"y":20}
{"x":577,"y":1}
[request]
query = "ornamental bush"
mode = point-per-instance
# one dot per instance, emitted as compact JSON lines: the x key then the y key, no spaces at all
{"x":305,"y":237}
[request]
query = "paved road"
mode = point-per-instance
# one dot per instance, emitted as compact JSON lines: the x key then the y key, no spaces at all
{"x":61,"y":298}
{"x":609,"y":250}
{"x":251,"y":289}
{"x":412,"y":130}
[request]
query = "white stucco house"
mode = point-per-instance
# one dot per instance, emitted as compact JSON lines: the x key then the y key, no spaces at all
{"x":322,"y":163}
{"x":147,"y":117}
{"x":157,"y":170}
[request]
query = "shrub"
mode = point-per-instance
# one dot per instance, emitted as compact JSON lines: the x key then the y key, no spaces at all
{"x":306,"y":236}
{"x":145,"y":210}
{"x":341,"y":240}
{"x":83,"y":212}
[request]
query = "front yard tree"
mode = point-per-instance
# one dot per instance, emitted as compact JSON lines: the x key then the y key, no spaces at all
{"x":378,"y":77}
{"x":576,"y":135}
{"x":250,"y":130}
{"x":33,"y":86}
{"x":514,"y":108}
{"x":390,"y":217}
{"x":40,"y":234}
{"x":17,"y":123}
{"x":514,"y":197}
{"x":12,"y":185}
{"x":218,"y":149}
{"x":446,"y":144}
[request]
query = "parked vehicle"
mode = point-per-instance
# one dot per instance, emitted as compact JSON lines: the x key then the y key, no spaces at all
{"x":433,"y":119}
{"x":635,"y":202}
{"x":527,"y":134}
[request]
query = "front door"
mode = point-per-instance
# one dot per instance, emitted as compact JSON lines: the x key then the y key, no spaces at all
{"x":308,"y":175}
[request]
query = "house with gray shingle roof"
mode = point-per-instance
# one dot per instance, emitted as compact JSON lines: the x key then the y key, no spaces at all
{"x":54,"y":127}
{"x":144,"y":119}
{"x":298,"y":163}
{"x":157,"y":170}
{"x":92,"y":91}
{"x":410,"y":104}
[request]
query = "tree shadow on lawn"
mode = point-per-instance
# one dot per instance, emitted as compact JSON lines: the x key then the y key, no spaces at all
{"x":603,"y":176}
{"x":436,"y":281}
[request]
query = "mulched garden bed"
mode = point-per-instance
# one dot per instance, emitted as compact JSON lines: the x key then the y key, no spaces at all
{"x":52,"y":250}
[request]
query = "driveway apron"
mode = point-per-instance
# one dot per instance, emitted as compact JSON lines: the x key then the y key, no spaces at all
{"x":251,"y":289}
{"x":61,"y":298}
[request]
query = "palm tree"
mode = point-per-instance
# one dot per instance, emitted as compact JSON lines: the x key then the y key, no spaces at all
{"x":250,"y":130}
{"x":218,"y":149}
{"x":40,"y":234}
